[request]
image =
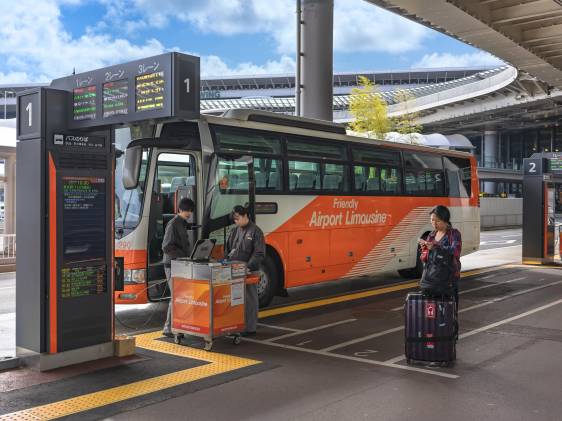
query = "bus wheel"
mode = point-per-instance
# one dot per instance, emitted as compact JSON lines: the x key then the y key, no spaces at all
{"x":268,"y":282}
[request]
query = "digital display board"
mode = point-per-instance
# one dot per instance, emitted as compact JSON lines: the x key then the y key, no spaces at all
{"x":84,"y":104}
{"x":115,"y":98}
{"x":555,"y":165}
{"x":149,"y":92}
{"x":158,"y":87}
{"x":83,"y":280}
{"x":83,"y":236}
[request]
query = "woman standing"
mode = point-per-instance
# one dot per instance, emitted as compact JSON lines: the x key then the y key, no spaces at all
{"x":446,"y":239}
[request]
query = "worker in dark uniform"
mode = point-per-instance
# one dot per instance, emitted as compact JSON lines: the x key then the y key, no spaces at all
{"x":246,"y":243}
{"x":176,"y":245}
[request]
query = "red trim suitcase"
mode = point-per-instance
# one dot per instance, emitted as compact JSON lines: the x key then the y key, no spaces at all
{"x":430,"y":329}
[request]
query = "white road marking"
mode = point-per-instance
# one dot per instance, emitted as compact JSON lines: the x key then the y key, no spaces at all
{"x":364,"y":338}
{"x":365,"y":353}
{"x":510,"y":319}
{"x":483,"y":304}
{"x":304,"y":343}
{"x":288,"y":329}
{"x":505,"y":297}
{"x":466,"y":291}
{"x":492,"y":325}
{"x":395,"y":359}
{"x":351,"y":358}
{"x":314,"y":329}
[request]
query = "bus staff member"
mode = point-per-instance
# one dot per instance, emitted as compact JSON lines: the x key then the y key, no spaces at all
{"x":176,"y":245}
{"x":246,"y":243}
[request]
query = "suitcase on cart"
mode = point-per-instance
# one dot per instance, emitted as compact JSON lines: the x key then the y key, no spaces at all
{"x":430,"y":329}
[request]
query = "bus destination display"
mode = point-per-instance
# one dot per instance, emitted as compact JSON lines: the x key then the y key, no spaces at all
{"x":555,"y":165}
{"x":84,"y":105}
{"x":150,"y":91}
{"x":83,"y":236}
{"x":83,"y":280}
{"x":115,"y":98}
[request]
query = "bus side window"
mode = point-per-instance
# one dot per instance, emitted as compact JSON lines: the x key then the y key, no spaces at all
{"x":458,"y":176}
{"x":424,"y":174}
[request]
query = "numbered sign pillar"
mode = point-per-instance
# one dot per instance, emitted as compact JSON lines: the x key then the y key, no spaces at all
{"x":542,"y":209}
{"x":64,"y":279}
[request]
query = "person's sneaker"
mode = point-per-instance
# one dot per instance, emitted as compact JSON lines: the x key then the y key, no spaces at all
{"x":168,"y":334}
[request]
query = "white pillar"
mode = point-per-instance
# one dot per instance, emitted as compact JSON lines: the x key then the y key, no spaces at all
{"x":490,"y":157}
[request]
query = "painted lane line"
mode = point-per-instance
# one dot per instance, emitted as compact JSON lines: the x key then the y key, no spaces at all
{"x":485,"y":303}
{"x":484,"y":277}
{"x":314,"y":329}
{"x":304,"y":342}
{"x":362,"y":294}
{"x":288,"y":329}
{"x":362,"y":339}
{"x":466,"y":291}
{"x":511,"y":319}
{"x":490,"y":326}
{"x":350,"y":358}
{"x":505,"y":297}
{"x":334,"y":300}
{"x":395,"y":359}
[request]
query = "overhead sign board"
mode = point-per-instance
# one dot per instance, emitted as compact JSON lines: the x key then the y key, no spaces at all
{"x":164,"y":86}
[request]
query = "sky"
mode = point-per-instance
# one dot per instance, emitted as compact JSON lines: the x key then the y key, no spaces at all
{"x":44,"y":39}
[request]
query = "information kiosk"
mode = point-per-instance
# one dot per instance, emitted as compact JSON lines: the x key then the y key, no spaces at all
{"x":65,"y":198}
{"x":542,"y":209}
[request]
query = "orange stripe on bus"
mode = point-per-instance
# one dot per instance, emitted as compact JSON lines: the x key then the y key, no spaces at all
{"x":134,"y":259}
{"x":53,"y":331}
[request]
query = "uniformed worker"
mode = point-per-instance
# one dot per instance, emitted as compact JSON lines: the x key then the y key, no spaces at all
{"x":176,"y":245}
{"x":246,"y":243}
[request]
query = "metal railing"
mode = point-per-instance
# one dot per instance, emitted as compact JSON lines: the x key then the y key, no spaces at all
{"x":7,"y":249}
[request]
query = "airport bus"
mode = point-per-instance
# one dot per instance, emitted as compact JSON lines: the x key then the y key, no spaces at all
{"x":331,"y":206}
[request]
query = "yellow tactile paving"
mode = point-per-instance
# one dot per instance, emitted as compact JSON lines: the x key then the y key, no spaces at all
{"x":218,"y":364}
{"x":353,"y":296}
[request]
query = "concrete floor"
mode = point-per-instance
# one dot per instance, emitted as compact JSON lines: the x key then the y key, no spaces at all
{"x":509,"y":361}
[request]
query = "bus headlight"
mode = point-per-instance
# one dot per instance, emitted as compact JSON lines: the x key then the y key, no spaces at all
{"x":135,"y":276}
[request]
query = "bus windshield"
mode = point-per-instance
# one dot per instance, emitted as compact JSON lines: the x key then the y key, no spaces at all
{"x":128,"y":203}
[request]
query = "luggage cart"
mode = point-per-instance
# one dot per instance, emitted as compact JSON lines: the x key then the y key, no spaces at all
{"x":207,"y":301}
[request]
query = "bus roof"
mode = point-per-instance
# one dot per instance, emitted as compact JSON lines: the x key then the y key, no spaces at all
{"x":265,"y":120}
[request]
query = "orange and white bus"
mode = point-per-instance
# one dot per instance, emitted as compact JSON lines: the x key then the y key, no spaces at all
{"x":331,"y":206}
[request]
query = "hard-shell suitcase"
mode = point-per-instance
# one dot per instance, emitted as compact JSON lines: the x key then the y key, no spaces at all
{"x":430,"y":329}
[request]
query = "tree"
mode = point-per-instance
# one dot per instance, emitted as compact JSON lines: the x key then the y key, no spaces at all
{"x":406,"y":122}
{"x":368,"y":109}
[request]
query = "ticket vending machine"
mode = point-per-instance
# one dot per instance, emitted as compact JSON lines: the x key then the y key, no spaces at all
{"x":542,"y":209}
{"x":65,"y":198}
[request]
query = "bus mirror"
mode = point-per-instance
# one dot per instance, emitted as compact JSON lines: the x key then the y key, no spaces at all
{"x":131,"y":167}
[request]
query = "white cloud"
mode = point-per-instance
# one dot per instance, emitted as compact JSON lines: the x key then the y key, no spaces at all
{"x":478,"y":58}
{"x":358,"y":25}
{"x":215,"y":66}
{"x":361,"y":27}
{"x":11,"y":78}
{"x":36,"y":47}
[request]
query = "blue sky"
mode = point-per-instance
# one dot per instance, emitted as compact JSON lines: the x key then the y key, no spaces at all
{"x":44,"y":39}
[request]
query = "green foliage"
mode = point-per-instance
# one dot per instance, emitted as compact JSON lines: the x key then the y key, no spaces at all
{"x":369,"y":110}
{"x":407,"y":122}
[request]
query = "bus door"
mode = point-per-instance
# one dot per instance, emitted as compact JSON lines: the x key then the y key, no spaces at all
{"x":231,"y":183}
{"x":174,"y":178}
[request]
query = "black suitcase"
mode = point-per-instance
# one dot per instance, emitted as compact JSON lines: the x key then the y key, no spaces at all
{"x":430,"y":329}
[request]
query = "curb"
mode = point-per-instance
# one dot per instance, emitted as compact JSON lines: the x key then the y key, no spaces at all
{"x":8,"y":363}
